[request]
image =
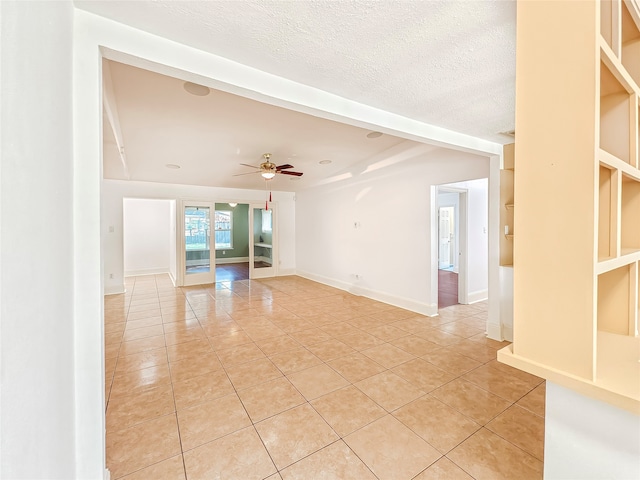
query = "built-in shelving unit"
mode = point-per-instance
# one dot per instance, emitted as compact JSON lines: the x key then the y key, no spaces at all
{"x":507,"y":205}
{"x":577,"y":311}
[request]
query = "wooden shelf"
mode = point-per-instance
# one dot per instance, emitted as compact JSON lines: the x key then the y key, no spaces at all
{"x":586,"y":337}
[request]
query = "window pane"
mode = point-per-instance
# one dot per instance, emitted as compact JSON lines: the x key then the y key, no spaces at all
{"x":223,"y":228}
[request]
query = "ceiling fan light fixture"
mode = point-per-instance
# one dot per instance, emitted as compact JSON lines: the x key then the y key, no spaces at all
{"x":268,"y":175}
{"x":233,"y":204}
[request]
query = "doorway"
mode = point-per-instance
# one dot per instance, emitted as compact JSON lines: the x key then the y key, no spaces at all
{"x":448,"y":251}
{"x":262,"y":251}
{"x":231,"y":228}
{"x":195,"y":244}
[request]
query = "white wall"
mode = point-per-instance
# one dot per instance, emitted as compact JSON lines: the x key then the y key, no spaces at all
{"x":376,"y":224}
{"x":115,"y":191}
{"x":587,"y":439}
{"x":146,"y":228}
{"x":37,"y":398}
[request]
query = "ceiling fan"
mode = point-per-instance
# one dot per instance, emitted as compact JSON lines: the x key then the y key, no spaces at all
{"x":268,"y":169}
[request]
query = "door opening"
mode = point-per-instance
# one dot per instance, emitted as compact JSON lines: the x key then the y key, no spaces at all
{"x":197,"y":268}
{"x":231,"y":228}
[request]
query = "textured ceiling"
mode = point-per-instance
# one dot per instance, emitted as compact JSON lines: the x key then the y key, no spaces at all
{"x":447,"y":63}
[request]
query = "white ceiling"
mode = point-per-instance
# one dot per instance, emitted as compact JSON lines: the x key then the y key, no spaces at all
{"x":447,"y":63}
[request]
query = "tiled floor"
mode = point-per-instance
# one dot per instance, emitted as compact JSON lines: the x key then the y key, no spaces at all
{"x":288,"y":379}
{"x":232,"y":272}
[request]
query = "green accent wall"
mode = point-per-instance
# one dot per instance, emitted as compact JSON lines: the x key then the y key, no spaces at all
{"x":240,"y":214}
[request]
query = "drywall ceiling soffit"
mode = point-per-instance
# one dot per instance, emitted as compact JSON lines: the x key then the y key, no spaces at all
{"x":447,"y":63}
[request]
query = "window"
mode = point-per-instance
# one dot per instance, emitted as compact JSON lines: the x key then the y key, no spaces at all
{"x":266,"y":221}
{"x":224,"y":229}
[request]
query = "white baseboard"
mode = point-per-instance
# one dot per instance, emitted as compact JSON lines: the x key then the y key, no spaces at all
{"x":430,"y":310}
{"x":107,"y":474}
{"x":477,"y":296}
{"x":114,"y":289}
{"x":284,"y":272}
{"x":225,"y":260}
{"x":145,"y":271}
{"x":494,"y":332}
{"x":173,"y":279}
{"x":507,"y":333}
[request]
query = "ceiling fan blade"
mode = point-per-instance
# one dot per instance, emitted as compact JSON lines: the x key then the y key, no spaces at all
{"x":248,"y":173}
{"x":283,"y":167}
{"x":247,"y":165}
{"x":295,"y":174}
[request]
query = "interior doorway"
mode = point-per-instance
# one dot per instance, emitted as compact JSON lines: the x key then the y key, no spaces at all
{"x":449,"y":245}
{"x":231,"y":229}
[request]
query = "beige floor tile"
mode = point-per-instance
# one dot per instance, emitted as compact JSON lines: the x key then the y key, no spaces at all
{"x":389,"y":390}
{"x":252,"y":373}
{"x":356,"y":367}
{"x":423,"y":375}
{"x":170,"y":469}
{"x":310,"y":336}
{"x":182,"y":326}
{"x":208,"y":421}
{"x":476,"y":351}
{"x":113,"y":338}
{"x":194,"y":367}
{"x":439,"y":337}
{"x":143,"y":332}
{"x":448,"y":360}
{"x":525,"y":377}
{"x":522,"y":428}
{"x":295,"y":360}
{"x":443,"y":469}
{"x":270,"y":398}
{"x":112,"y":351}
{"x":387,"y":355}
{"x":240,"y":455}
{"x":335,"y":462}
{"x":461,"y":329}
{"x":139,"y":380}
{"x":472,"y":401}
{"x":228,"y":340}
{"x":415,"y":345}
{"x":487,"y":456}
{"x":188,"y":350}
{"x":131,"y":449}
{"x":347,"y":410}
{"x":438,"y":424}
{"x":360,"y":340}
{"x":499,"y":383}
{"x":330,"y":349}
{"x":143,"y":314}
{"x":294,"y":434}
{"x":535,"y":400}
{"x":201,"y":389}
{"x":339,"y":329}
{"x":174,"y":336}
{"x":114,"y":328}
{"x":274,"y":346}
{"x":317,"y":381}
{"x":391,"y":450}
{"x":241,"y":354}
{"x":139,"y":361}
{"x":387,"y":332}
{"x":488,"y":342}
{"x":142,"y":345}
{"x":127,"y":410}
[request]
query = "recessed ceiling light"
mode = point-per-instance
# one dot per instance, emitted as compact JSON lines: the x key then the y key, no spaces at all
{"x":195,"y":89}
{"x":374,"y":134}
{"x":324,"y":162}
{"x":172,"y":166}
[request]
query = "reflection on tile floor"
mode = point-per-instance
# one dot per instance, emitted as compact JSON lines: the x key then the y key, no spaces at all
{"x":285,"y":378}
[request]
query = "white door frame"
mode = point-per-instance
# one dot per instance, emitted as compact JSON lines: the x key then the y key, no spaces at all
{"x":196,"y":278}
{"x":264,"y":272}
{"x":463,"y":262}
